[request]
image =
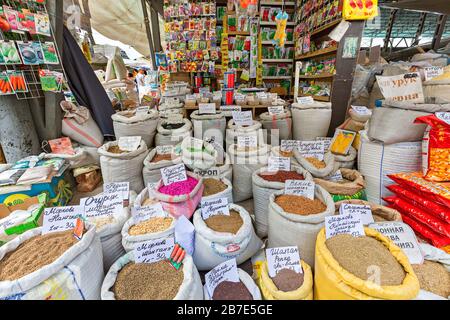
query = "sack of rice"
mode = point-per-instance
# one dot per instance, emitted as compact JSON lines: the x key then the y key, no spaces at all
{"x":279,"y":125}
{"x":127,"y":280}
{"x":234,"y":131}
{"x":198,"y":154}
{"x":223,"y":237}
{"x":172,"y":133}
{"x":53,"y":266}
{"x":264,"y":184}
{"x":209,"y":125}
{"x":346,"y":268}
{"x":118,"y":165}
{"x":352,"y":186}
{"x":296,"y":220}
{"x":311,"y":120}
{"x":156,"y":160}
{"x":245,"y":289}
{"x":317,"y":168}
{"x":130,"y":124}
{"x":216,"y":188}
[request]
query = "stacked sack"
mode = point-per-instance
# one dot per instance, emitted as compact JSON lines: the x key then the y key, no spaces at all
{"x":282,"y":122}
{"x":310,"y":120}
{"x":131,"y":124}
{"x":160,"y":157}
{"x":172,"y":132}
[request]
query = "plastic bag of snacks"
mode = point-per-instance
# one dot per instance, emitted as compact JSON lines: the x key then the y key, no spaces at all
{"x":436,"y":147}
{"x":351,"y":187}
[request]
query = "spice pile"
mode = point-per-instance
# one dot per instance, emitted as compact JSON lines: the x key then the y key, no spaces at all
{"x":227,"y":290}
{"x":149,"y":201}
{"x":213,"y":186}
{"x":300,"y":205}
{"x":161,"y":157}
{"x":115,"y":149}
{"x":102,"y":221}
{"x":433,"y":277}
{"x":286,"y":154}
{"x":316,"y":163}
{"x":281,"y":176}
{"x":288,"y":280}
{"x":35,"y":253}
{"x":358,"y":255}
{"x":228,"y":224}
{"x":180,"y":187}
{"x":148,"y":281}
{"x":172,"y":126}
{"x":152,"y":225}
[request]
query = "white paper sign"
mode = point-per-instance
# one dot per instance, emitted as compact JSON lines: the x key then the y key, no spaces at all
{"x":58,"y":219}
{"x":141,"y":214}
{"x":335,"y":177}
{"x":278,"y":164}
{"x":312,"y":149}
{"x":102,"y":205}
{"x":344,"y":224}
{"x":283,"y":258}
{"x":153,"y":250}
{"x":230,"y":108}
{"x":364,"y":212}
{"x":164,"y":149}
{"x":185,"y":234}
{"x":215,"y":207}
{"x":403,"y":237}
{"x":302,"y":188}
{"x":226,"y":271}
{"x":444,"y":116}
{"x":326,"y":141}
{"x":174,"y":118}
{"x":402,"y":88}
{"x":289,"y":145}
{"x":142,"y":110}
{"x":362,"y":110}
{"x":337,"y":33}
{"x":305,"y":100}
{"x":207,"y":108}
{"x":275,"y":110}
{"x":247,"y":141}
{"x":129,"y":144}
{"x":432,"y":72}
{"x":243,"y":118}
{"x":115,"y":187}
{"x":173,"y":174}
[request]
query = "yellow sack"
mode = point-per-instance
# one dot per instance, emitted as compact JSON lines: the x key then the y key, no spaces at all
{"x":332,"y":282}
{"x":270,"y":292}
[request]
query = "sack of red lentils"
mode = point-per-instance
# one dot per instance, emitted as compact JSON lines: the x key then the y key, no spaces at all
{"x":352,"y":186}
{"x":318,"y":168}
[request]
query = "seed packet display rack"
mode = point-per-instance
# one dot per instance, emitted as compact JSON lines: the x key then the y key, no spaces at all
{"x":31,"y":72}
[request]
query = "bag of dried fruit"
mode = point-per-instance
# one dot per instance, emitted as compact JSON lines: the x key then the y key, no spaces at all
{"x":198,"y":154}
{"x":54,"y":266}
{"x":223,"y":237}
{"x":245,"y":162}
{"x":233,"y":131}
{"x":264,"y":184}
{"x":270,"y":291}
{"x":209,"y":125}
{"x":180,"y":198}
{"x":172,"y":133}
{"x":216,"y":188}
{"x":318,"y":168}
{"x":296,"y":220}
{"x":130,"y":124}
{"x":350,"y":187}
{"x":281,"y":122}
{"x":119,"y":166}
{"x":334,"y":282}
{"x":155,"y":161}
{"x":151,"y":281}
{"x":245,"y":279}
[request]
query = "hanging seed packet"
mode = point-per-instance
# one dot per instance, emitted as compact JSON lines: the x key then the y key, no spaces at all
{"x":50,"y":53}
{"x":5,"y":85}
{"x":12,"y":16}
{"x":10,"y":53}
{"x":29,"y":56}
{"x":42,"y":22}
{"x":17,"y":81}
{"x":29,"y":21}
{"x":38,"y":50}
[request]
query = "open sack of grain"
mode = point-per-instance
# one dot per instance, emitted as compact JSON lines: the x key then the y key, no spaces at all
{"x":217,"y":188}
{"x":172,"y":133}
{"x":156,"y":160}
{"x":132,"y":124}
{"x":352,"y":186}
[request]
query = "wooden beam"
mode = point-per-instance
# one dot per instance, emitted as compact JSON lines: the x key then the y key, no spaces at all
{"x":149,"y":33}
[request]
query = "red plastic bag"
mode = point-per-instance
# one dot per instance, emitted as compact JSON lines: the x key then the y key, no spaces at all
{"x":410,"y":195}
{"x":436,"y":147}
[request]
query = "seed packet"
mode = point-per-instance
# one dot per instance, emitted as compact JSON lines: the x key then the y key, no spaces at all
{"x":51,"y":80}
{"x":29,"y":21}
{"x":12,"y":16}
{"x":9,"y":51}
{"x":5,"y":86}
{"x":42,"y":22}
{"x":29,"y":56}
{"x":17,"y":81}
{"x":50,"y":53}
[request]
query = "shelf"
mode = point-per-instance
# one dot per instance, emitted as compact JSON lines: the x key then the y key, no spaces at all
{"x":267,"y":42}
{"x":268,"y":23}
{"x":317,"y":53}
{"x":277,"y":60}
{"x":318,"y":98}
{"x":328,"y":25}
{"x":276,"y":77}
{"x":238,"y":33}
{"x":277,"y":3}
{"x":323,"y":75}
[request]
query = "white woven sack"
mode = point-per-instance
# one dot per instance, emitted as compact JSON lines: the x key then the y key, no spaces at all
{"x":209,"y":125}
{"x":227,"y":193}
{"x":92,"y":154}
{"x":152,"y":171}
{"x":140,"y":125}
{"x":281,"y":122}
{"x":329,"y":160}
{"x":287,"y":229}
{"x":171,"y":137}
{"x":191,"y":288}
{"x":311,"y":120}
{"x":275,"y":152}
{"x":129,"y":242}
{"x":201,"y":160}
{"x":437,"y":91}
{"x":262,"y":190}
{"x":247,"y":281}
{"x":348,"y":161}
{"x":376,"y":161}
{"x":75,"y":275}
{"x":424,"y":107}
{"x":234,"y":131}
{"x":212,"y":248}
{"x":123,"y":167}
{"x":244,"y":164}
{"x":384,"y":125}
{"x":79,"y":159}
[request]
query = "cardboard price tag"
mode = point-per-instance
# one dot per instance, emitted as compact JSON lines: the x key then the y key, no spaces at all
{"x":211,"y":172}
{"x":164,"y":149}
{"x":432,"y":72}
{"x":302,"y":188}
{"x":141,"y":214}
{"x":215,"y":207}
{"x":129,"y":144}
{"x":361,"y":110}
{"x":335,"y":177}
{"x":283,"y":258}
{"x":243,"y":118}
{"x":403,"y":237}
{"x":115,"y":187}
{"x":207,"y":108}
{"x":153,"y":250}
{"x":226,"y":271}
{"x":344,"y":224}
{"x":305,"y":100}
{"x":289,"y":145}
{"x":231,"y":108}
{"x":176,"y":173}
{"x":279,"y":164}
{"x":103,"y":205}
{"x":57,"y":219}
{"x":275,"y":110}
{"x":364,"y":211}
{"x":142,"y":110}
{"x":312,"y":149}
{"x":247,"y":141}
{"x":402,"y":88}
